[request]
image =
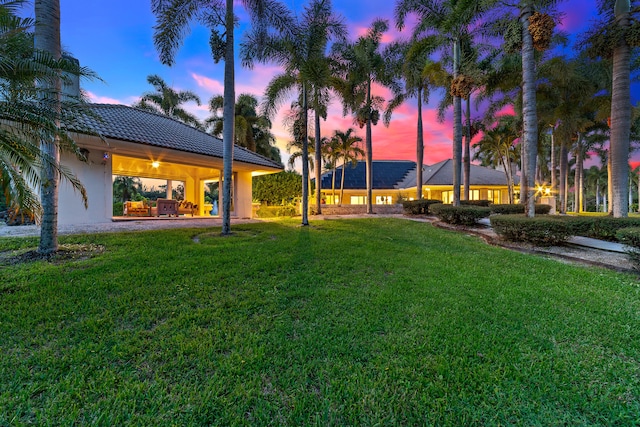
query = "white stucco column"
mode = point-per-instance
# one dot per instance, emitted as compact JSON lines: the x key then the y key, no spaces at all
{"x":243,"y":194}
{"x":169,"y":189}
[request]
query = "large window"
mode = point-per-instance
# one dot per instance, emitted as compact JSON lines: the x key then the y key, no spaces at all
{"x":495,"y":196}
{"x":384,"y":200}
{"x":447,"y":197}
{"x":358,"y":200}
{"x":332,"y":200}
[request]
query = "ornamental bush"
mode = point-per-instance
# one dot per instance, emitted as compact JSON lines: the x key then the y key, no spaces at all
{"x":510,"y":209}
{"x":600,"y":227}
{"x":483,"y":203}
{"x":276,"y":211}
{"x":631,"y":237}
{"x":459,"y":215}
{"x":543,"y":230}
{"x":418,"y":207}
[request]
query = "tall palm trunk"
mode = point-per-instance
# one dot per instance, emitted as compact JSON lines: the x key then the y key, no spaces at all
{"x":564,"y":171}
{"x":466,"y":158}
{"x":47,"y":38}
{"x":419,"y":148}
{"x":457,"y":129}
{"x":318,"y":155}
{"x":228,"y":111}
{"x":620,"y":116}
{"x":529,"y":113}
{"x":577,"y":181}
{"x":344,"y":169}
{"x":305,"y":157}
{"x":554,"y":182}
{"x":369,"y":158}
{"x":333,"y":184}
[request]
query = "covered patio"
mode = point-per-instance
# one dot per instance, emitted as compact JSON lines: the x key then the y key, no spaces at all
{"x":140,"y":144}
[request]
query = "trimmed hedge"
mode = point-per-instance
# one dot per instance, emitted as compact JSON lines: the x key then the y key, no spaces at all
{"x":419,"y":207}
{"x":543,"y":230}
{"x":482,"y":203}
{"x":631,"y":236}
{"x":508,"y":209}
{"x":459,"y":215}
{"x":600,"y":227}
{"x":276,"y":211}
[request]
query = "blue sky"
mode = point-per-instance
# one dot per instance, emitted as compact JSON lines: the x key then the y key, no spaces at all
{"x":115,"y":39}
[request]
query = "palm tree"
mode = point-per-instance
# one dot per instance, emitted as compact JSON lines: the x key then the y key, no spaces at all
{"x":253,"y":130}
{"x":349,"y":151}
{"x":173,"y":18}
{"x":301,"y":51}
{"x":497,"y":148}
{"x":448,"y":22}
{"x":33,"y":111}
{"x":298,"y":153}
{"x":126,"y":187}
{"x":410,"y":61}
{"x":620,"y":112}
{"x":47,"y":39}
{"x":167,"y":101}
{"x":363,"y":64}
{"x":331,"y":154}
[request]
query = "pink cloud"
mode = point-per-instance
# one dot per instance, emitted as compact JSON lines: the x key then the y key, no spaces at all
{"x":208,"y":84}
{"x":97,"y":99}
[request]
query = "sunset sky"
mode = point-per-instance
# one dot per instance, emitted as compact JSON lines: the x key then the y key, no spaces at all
{"x":115,"y":39}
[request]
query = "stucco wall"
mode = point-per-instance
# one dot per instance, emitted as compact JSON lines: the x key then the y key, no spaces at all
{"x":96,"y":178}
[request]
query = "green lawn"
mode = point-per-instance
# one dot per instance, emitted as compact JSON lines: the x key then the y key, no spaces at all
{"x":350,"y":322}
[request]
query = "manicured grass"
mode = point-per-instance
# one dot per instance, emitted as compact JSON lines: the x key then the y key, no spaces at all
{"x":350,"y":322}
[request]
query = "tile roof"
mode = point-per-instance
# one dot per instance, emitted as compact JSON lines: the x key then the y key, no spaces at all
{"x":402,"y":174}
{"x":134,"y":125}
{"x":386,"y":174}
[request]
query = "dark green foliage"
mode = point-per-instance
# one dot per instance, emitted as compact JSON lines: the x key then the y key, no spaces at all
{"x":544,"y":230}
{"x":277,"y":211}
{"x":459,"y":215}
{"x":277,"y":189}
{"x":631,"y":236}
{"x":419,"y":207}
{"x":118,"y":208}
{"x":606,"y":227}
{"x":510,"y":209}
{"x":507,"y":209}
{"x":603,"y":227}
{"x":483,"y":203}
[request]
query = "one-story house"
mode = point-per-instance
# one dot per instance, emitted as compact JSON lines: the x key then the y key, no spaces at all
{"x":396,"y":179}
{"x":142,"y":144}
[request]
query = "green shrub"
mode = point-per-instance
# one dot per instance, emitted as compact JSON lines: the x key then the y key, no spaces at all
{"x":276,"y":211}
{"x":419,"y":207}
{"x":483,"y":203}
{"x":118,"y":209}
{"x":600,"y":227}
{"x":544,"y":230}
{"x":459,"y":215}
{"x":631,"y":237}
{"x":510,"y":209}
{"x":606,"y":227}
